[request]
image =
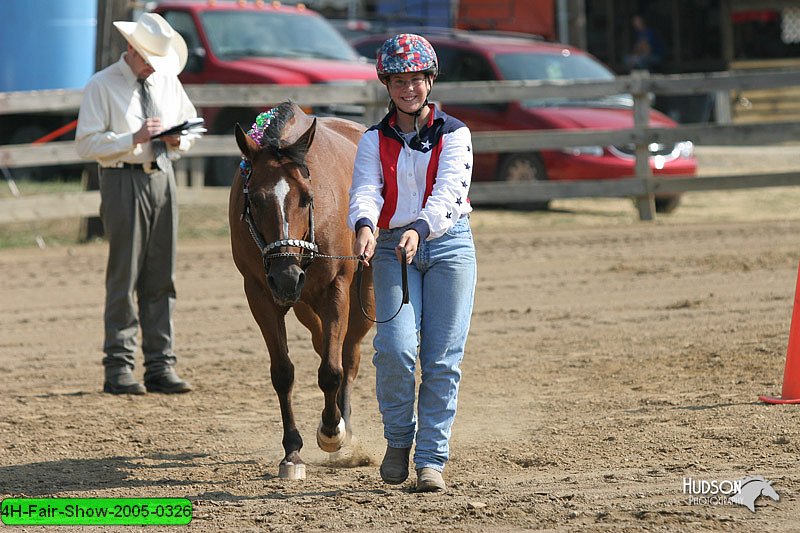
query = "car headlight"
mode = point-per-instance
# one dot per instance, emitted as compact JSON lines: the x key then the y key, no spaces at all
{"x":595,"y":151}
{"x":685,"y":148}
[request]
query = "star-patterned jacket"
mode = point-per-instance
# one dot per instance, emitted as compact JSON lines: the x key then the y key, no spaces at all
{"x":424,"y":184}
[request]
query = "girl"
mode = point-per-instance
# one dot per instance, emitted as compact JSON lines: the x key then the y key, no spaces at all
{"x":411,"y":178}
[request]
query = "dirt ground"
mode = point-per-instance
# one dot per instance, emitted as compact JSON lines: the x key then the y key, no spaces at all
{"x":609,"y":359}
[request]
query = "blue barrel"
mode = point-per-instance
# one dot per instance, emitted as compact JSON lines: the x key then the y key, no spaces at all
{"x":46,"y":44}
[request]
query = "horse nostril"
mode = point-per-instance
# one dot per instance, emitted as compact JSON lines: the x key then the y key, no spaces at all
{"x":271,"y":282}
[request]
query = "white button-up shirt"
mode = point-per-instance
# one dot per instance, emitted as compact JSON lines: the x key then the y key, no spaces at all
{"x":111,"y":112}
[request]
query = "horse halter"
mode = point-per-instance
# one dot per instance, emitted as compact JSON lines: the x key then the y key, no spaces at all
{"x":266,"y":250}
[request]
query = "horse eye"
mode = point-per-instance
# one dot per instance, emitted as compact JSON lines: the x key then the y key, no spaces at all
{"x":305,"y":201}
{"x":259,"y":199}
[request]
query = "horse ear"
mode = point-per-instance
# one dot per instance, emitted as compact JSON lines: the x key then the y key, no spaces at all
{"x":302,"y":144}
{"x":247,"y":145}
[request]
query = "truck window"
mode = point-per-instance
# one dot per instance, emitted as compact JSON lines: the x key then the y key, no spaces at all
{"x":183,"y":24}
{"x":472,"y":67}
{"x":235,"y":34}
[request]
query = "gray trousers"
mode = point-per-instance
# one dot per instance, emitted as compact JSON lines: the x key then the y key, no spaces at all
{"x":140,"y":217}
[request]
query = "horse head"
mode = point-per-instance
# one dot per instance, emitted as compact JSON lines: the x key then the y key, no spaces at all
{"x":751,"y":488}
{"x":279,"y":198}
{"x":768,"y":491}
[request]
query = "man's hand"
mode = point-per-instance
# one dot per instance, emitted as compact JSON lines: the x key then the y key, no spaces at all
{"x":150,"y":127}
{"x":172,"y":140}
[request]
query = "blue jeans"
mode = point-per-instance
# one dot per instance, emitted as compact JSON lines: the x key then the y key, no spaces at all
{"x":441,"y":283}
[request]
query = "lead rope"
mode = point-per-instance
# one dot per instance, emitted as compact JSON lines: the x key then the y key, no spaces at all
{"x":404,"y":274}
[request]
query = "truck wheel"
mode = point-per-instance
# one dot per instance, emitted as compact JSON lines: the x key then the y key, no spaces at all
{"x":524,"y":167}
{"x":667,"y":204}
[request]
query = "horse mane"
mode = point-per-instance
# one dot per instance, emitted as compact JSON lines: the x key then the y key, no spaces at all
{"x":273,"y":135}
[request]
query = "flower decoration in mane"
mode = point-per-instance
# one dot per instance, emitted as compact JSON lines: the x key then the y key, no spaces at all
{"x":256,"y":132}
{"x":262,"y":122}
{"x":266,"y":132}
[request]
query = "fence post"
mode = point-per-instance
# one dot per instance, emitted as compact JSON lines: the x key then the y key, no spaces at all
{"x":641,"y":119}
{"x":375,"y":110}
{"x":197,"y":171}
{"x":722,"y":107}
{"x":91,"y":227}
{"x":181,"y":169}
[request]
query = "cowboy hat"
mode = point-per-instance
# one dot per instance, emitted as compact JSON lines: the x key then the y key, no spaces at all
{"x":156,"y":42}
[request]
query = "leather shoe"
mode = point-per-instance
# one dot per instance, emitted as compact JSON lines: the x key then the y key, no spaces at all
{"x":166,"y":381}
{"x":394,"y":467}
{"x":120,"y":380}
{"x":429,"y":480}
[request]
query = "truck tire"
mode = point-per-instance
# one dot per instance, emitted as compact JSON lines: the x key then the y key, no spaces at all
{"x":667,"y":204}
{"x":524,"y":167}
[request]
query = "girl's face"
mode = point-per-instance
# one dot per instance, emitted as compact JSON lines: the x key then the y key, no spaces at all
{"x":409,"y":90}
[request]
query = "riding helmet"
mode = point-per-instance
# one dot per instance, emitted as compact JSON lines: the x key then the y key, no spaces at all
{"x":406,"y":52}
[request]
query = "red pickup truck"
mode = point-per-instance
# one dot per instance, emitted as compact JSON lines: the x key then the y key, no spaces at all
{"x":260,"y":42}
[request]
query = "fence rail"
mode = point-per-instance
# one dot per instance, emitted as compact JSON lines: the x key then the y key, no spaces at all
{"x":372,"y":96}
{"x":461,"y":92}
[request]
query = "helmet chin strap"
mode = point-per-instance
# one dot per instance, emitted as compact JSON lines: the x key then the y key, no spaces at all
{"x":415,"y":114}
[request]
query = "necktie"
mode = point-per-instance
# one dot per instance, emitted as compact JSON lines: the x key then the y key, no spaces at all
{"x":150,"y":110}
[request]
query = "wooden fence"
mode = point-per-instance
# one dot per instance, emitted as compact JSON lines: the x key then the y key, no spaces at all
{"x":643,"y":187}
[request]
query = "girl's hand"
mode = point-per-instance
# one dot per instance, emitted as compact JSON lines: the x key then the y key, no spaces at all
{"x":410,"y":241}
{"x":364,"y":244}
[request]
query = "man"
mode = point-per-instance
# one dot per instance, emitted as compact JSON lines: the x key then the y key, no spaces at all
{"x":123,"y":106}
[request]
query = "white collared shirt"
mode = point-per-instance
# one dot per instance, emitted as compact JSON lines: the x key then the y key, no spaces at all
{"x":111,"y":112}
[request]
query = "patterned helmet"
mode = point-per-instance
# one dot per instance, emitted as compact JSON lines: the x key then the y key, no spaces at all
{"x":406,"y":53}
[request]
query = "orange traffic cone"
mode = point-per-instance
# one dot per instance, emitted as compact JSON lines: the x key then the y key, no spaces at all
{"x":791,"y":372}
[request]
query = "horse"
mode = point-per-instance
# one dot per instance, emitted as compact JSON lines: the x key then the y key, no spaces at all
{"x":289,"y":239}
{"x":751,"y":488}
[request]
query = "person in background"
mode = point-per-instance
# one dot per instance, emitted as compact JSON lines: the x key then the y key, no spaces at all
{"x":411,"y":178}
{"x":648,"y":50}
{"x":123,"y":106}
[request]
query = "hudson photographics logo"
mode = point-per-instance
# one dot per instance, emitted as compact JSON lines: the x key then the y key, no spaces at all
{"x":743,"y":491}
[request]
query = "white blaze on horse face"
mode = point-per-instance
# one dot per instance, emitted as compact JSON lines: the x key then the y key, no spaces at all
{"x":281,"y":190}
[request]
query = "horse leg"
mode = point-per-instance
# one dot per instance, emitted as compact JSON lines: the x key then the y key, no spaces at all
{"x":351,"y":358}
{"x":272,"y":323}
{"x":357,"y":328}
{"x":328,"y":323}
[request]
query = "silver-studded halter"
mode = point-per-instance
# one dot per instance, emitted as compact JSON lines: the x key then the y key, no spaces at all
{"x":268,"y":251}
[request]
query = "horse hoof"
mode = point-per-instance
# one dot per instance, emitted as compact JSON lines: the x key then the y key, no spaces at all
{"x":332,"y":444}
{"x":292,"y":471}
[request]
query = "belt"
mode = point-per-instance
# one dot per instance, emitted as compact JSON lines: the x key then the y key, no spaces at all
{"x":139,"y":166}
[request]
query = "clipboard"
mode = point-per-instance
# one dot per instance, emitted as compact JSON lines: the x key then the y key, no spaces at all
{"x":193,"y":125}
